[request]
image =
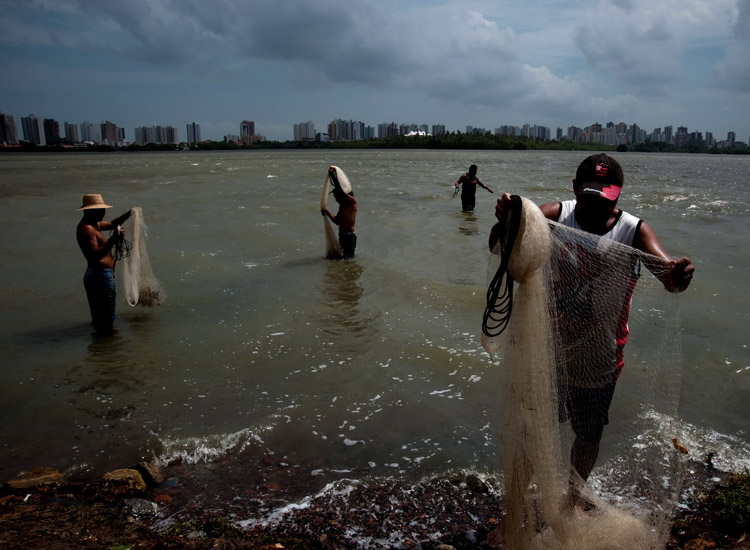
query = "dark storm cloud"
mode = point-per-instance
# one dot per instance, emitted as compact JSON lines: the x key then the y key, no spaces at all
{"x":446,"y":53}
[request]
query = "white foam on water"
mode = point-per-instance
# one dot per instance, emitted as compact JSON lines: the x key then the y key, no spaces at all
{"x":343,"y":488}
{"x":209,"y":448}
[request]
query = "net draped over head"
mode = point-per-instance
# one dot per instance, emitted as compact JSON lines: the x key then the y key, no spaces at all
{"x":567,"y":328}
{"x":141,"y":286}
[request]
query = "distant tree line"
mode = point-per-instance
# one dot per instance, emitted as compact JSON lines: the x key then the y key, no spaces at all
{"x":449,"y":140}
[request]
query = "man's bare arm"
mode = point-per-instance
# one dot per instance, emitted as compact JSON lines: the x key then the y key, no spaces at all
{"x":484,"y":186}
{"x":675,"y":275}
{"x":104,"y":225}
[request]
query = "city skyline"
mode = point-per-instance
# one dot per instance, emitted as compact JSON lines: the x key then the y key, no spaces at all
{"x":476,"y":62}
{"x":37,"y":130}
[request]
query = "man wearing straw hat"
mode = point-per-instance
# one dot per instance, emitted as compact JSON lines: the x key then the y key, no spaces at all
{"x":99,"y":279}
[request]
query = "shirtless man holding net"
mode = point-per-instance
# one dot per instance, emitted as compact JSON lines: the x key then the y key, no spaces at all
{"x":99,"y":279}
{"x":345,"y":217}
{"x":597,"y":186}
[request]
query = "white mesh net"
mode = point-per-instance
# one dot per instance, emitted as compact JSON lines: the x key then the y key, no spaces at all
{"x":141,"y":286}
{"x":561,"y":354}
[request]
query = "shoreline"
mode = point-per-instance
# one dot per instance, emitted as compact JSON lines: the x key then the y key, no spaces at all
{"x":150,"y":511}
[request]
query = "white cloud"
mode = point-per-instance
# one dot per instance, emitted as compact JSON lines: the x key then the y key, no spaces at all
{"x":734,"y":70}
{"x":639,"y":43}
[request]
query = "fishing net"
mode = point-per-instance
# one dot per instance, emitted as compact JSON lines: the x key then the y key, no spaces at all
{"x":141,"y":286}
{"x":556,"y":311}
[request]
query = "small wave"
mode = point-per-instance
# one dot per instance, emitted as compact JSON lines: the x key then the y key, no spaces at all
{"x":209,"y":448}
{"x":341,"y":488}
{"x":727,"y":453}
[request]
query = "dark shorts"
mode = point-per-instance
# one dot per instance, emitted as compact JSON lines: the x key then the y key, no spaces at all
{"x":101,"y":293}
{"x":468,"y":202}
{"x":348,"y":242}
{"x":587,"y":409}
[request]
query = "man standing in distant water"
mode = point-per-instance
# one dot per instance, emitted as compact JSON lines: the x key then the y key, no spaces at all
{"x":345,"y":217}
{"x":469,"y":189}
{"x":99,"y":279}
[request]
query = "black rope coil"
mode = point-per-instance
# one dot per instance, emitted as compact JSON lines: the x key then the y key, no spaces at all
{"x":121,"y":249}
{"x":500,"y":291}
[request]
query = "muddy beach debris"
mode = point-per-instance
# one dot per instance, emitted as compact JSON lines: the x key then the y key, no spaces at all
{"x":143,"y":507}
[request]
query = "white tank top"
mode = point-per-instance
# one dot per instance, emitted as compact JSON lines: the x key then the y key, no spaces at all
{"x":623,"y":230}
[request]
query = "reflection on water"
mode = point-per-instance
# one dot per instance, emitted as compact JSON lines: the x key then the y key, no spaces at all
{"x":109,"y":389}
{"x":341,"y":291}
{"x":468,"y":224}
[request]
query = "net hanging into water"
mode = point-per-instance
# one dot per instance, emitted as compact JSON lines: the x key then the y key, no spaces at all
{"x":141,"y":286}
{"x":563,"y":323}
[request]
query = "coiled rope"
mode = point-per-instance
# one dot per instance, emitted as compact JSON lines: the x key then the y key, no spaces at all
{"x":500,"y":290}
{"x":121,"y":249}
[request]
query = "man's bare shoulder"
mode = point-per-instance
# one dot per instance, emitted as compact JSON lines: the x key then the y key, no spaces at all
{"x":550,"y":210}
{"x":89,"y":233}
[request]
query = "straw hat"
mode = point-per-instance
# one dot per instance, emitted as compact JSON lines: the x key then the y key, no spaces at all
{"x":93,"y":200}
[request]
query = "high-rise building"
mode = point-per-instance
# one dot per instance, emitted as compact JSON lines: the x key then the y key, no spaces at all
{"x":304,"y":131}
{"x":193,"y":133}
{"x":667,"y":135}
{"x":155,"y":134}
{"x":90,"y":132}
{"x":438,"y":129}
{"x":71,"y":132}
{"x":8,"y":130}
{"x":33,"y":130}
{"x":51,"y":130}
{"x":172,"y":135}
{"x":633,"y":134}
{"x":387,"y":130}
{"x":574,"y":132}
{"x":247,"y":132}
{"x":358,"y":130}
{"x":681,"y":137}
{"x":731,"y":137}
{"x":347,"y":130}
{"x":109,"y":132}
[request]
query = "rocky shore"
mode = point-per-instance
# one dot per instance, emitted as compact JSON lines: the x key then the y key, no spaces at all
{"x":143,"y":508}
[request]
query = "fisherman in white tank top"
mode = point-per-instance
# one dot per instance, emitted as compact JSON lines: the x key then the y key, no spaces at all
{"x":597,"y":186}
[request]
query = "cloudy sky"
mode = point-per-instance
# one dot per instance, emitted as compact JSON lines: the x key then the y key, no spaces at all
{"x":455,"y":62}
